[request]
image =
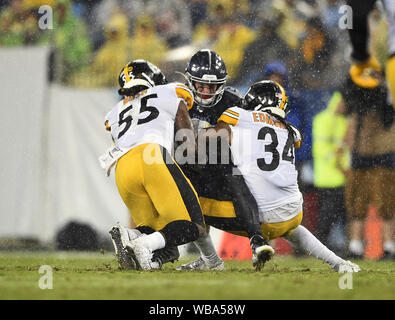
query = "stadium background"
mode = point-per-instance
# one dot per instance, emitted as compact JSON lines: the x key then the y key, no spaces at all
{"x":57,"y":84}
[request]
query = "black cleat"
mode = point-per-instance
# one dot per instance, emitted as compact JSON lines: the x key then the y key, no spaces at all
{"x":164,"y":255}
{"x":119,"y":238}
{"x":387,"y":256}
{"x":261,"y":251}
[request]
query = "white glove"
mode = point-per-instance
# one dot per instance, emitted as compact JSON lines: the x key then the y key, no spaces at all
{"x":109,"y":159}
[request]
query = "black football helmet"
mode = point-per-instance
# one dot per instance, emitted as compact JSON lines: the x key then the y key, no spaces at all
{"x":206,"y":66}
{"x":138,"y":75}
{"x":267,"y":95}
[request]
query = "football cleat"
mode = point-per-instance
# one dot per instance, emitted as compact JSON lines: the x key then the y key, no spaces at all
{"x":261,"y":252}
{"x":346,"y":266}
{"x":120,"y":237}
{"x":164,"y":255}
{"x":201,"y":265}
{"x":141,"y":254}
{"x":387,"y":255}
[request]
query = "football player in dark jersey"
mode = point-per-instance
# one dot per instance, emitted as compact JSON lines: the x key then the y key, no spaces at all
{"x":365,"y":70}
{"x":215,"y":183}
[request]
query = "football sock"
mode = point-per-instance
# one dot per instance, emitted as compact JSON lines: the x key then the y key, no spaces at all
{"x":133,"y":234}
{"x":390,"y":75}
{"x":356,"y":247}
{"x":389,"y":246}
{"x":207,"y":249}
{"x":303,"y":238}
{"x":155,"y":241}
{"x":180,"y":232}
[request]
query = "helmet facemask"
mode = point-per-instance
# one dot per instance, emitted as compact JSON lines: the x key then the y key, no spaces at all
{"x":206,"y":67}
{"x":213,"y":98}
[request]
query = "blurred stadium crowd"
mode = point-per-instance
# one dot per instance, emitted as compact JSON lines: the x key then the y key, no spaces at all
{"x":299,"y":41}
{"x":90,"y":39}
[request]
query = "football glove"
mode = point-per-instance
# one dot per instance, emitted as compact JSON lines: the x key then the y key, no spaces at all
{"x":108,"y":160}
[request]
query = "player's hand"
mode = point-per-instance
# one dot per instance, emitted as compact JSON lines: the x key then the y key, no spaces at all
{"x":366,"y":74}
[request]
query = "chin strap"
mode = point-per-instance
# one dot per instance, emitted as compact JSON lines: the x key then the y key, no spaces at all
{"x":275,"y":110}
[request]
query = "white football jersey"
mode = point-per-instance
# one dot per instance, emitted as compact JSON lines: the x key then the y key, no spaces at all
{"x":263,"y":150}
{"x":148,"y":117}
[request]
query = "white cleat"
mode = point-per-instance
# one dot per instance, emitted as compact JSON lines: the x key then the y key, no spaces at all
{"x":346,"y":266}
{"x":201,"y":265}
{"x":120,"y":237}
{"x":141,"y":254}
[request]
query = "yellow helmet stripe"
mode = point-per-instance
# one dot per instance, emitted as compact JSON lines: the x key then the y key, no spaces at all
{"x":126,"y":73}
{"x":283,"y":97}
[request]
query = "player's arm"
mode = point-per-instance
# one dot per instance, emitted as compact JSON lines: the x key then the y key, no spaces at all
{"x":221,"y":130}
{"x":230,"y":117}
{"x":183,"y":122}
{"x":359,"y":37}
{"x":359,"y":33}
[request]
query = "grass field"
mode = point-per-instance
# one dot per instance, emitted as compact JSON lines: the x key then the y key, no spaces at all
{"x":95,"y":276}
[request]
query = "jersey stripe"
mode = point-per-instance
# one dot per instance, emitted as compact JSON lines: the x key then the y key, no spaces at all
{"x":182,"y":86}
{"x":232,"y":112}
{"x":126,"y":73}
{"x":231,"y":115}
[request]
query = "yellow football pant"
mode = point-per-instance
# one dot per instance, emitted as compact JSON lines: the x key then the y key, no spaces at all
{"x":222,"y":215}
{"x":390,"y":76}
{"x":154,"y":188}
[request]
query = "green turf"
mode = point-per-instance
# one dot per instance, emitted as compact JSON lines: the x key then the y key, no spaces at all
{"x":96,"y":276}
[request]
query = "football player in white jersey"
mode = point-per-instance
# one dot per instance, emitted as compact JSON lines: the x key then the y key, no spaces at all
{"x":163,"y":203}
{"x":262,"y":145}
{"x":206,"y":76}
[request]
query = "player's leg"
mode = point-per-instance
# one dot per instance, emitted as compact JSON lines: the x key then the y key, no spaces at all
{"x":129,"y":182}
{"x":179,"y":218}
{"x":357,"y":200}
{"x":359,"y":37}
{"x":209,"y":259}
{"x":220,"y":215}
{"x":383,"y":198}
{"x":390,"y":76}
{"x":388,"y":238}
{"x":247,"y":213}
{"x":304,"y":239}
{"x":389,"y":7}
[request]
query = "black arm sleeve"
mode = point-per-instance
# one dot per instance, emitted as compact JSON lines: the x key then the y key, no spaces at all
{"x":244,"y":204}
{"x":359,"y":34}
